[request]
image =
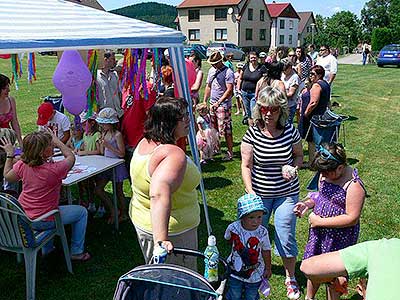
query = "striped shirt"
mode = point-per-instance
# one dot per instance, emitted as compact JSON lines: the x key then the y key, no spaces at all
{"x":269,"y":156}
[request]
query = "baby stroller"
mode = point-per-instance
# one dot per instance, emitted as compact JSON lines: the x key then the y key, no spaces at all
{"x":325,"y":129}
{"x":170,"y":282}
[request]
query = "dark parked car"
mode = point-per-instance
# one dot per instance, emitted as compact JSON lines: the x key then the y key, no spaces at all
{"x":389,"y":55}
{"x":199,"y":49}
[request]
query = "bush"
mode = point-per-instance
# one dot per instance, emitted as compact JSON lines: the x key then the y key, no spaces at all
{"x":380,"y":38}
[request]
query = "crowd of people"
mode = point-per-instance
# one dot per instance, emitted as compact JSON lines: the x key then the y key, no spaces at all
{"x":271,"y":91}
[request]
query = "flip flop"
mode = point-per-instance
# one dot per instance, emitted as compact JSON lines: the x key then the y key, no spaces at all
{"x":85,"y":256}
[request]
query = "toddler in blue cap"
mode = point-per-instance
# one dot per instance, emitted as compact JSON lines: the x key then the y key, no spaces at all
{"x":250,"y":259}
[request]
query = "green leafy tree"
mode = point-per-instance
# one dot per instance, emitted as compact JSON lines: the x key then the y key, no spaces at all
{"x":340,"y":30}
{"x":157,"y":13}
{"x":381,"y":14}
{"x":380,"y":38}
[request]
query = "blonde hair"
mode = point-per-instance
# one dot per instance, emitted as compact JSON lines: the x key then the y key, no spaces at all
{"x":270,"y":96}
{"x":34,"y":145}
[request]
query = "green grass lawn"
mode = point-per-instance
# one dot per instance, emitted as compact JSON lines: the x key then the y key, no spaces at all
{"x":370,"y":95}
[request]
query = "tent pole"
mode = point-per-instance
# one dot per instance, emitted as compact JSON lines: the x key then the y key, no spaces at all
{"x":177,"y":60}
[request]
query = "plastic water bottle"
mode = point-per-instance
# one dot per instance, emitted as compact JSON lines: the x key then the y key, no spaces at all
{"x":159,"y":254}
{"x":211,"y":260}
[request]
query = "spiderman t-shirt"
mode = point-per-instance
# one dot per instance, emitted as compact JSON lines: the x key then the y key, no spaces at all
{"x":246,"y":259}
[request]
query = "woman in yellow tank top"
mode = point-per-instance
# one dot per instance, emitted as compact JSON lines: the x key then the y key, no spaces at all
{"x":164,"y":207}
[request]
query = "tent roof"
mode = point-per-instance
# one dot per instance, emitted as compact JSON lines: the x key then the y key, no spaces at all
{"x":44,"y":25}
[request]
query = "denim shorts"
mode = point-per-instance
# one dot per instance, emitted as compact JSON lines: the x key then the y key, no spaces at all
{"x":239,"y":290}
{"x":284,"y":222}
{"x":249,"y":101}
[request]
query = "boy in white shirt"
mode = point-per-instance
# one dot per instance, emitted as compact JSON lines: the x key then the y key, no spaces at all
{"x":250,"y":258}
{"x":56,"y":121}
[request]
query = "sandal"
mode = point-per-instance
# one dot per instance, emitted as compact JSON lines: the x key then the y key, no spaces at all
{"x":85,"y":256}
{"x":227,"y":157}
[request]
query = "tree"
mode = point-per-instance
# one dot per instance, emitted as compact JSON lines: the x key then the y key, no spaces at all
{"x":381,"y":14}
{"x":375,"y":14}
{"x":335,"y":31}
{"x":380,"y":38}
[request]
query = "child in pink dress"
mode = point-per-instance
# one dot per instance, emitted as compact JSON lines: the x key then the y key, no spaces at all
{"x":207,"y":136}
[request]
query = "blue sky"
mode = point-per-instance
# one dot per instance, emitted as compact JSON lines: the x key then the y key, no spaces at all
{"x":324,"y":8}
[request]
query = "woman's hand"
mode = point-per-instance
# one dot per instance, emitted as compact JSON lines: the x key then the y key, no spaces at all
{"x":167,"y":245}
{"x":300,"y":209}
{"x":52,"y":132}
{"x":289,"y":172}
{"x":7,"y":146}
{"x":314,"y":220}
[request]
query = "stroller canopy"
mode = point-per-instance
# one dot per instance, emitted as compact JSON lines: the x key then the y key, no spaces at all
{"x":163,"y":282}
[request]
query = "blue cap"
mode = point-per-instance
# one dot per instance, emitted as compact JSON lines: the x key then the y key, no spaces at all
{"x":249,"y":203}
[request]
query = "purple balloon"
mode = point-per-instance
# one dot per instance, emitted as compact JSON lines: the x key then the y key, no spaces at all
{"x":74,"y":104}
{"x":72,"y":78}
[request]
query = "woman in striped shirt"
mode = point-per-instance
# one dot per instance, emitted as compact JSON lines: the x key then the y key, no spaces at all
{"x":268,"y":147}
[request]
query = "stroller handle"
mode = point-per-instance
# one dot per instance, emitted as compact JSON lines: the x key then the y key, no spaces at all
{"x":191,"y":252}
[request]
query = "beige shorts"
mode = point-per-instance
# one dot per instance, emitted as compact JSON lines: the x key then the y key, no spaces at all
{"x":188,"y":239}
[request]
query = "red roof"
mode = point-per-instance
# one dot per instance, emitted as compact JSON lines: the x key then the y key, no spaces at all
{"x":201,"y":3}
{"x":282,"y":10}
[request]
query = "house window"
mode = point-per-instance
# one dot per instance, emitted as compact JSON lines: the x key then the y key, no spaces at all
{"x":281,"y":39}
{"x":282,"y":24}
{"x":194,"y":34}
{"x":290,"y":39}
{"x":221,"y":14}
{"x":221,"y":34}
{"x":194,"y":15}
{"x":249,"y":34}
{"x":250,"y":14}
{"x":262,"y":15}
{"x":262,"y":34}
{"x":291,"y":24}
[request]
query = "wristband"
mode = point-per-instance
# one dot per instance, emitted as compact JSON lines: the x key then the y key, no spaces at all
{"x":10,"y":156}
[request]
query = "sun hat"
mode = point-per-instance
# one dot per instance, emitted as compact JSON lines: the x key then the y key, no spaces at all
{"x":248,"y":204}
{"x":215,"y":58}
{"x":107,"y":115}
{"x":262,"y":54}
{"x":240,"y":65}
{"x":84,"y":116}
{"x":45,"y":112}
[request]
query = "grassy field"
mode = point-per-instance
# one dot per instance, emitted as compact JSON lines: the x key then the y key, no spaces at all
{"x":369,"y":95}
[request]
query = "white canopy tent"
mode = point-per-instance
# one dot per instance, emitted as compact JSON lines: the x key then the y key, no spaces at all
{"x":56,"y":25}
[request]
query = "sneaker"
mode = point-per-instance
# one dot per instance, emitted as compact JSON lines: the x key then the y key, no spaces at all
{"x":203,"y":162}
{"x":292,"y":289}
{"x":100,"y":212}
{"x":92,"y":208}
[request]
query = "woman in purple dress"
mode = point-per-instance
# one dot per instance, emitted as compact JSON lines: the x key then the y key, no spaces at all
{"x":334,"y":222}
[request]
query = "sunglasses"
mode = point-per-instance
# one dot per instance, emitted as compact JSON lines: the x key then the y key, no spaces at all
{"x":265,"y":109}
{"x":313,"y":73}
{"x":325,"y":154}
{"x":320,"y":50}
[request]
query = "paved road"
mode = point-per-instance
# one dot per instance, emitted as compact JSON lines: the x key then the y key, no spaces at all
{"x":351,"y":59}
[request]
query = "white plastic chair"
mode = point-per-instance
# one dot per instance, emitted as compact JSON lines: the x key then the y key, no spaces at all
{"x":17,"y":235}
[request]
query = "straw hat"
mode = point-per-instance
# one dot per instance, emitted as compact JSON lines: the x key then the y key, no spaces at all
{"x":215,"y":58}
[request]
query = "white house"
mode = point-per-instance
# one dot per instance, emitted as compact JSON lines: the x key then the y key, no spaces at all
{"x":245,"y":23}
{"x":285,"y":25}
